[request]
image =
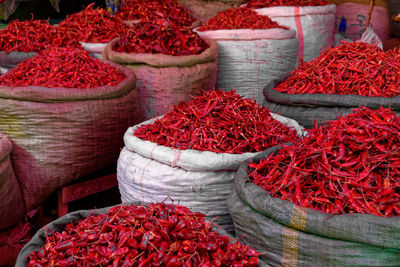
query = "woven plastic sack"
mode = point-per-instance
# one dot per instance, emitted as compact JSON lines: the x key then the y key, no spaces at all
{"x":38,"y":240}
{"x":200,"y":180}
{"x":250,"y":59}
{"x":165,"y":80}
{"x":294,"y":236}
{"x":12,"y":207}
{"x":314,"y":25}
{"x":351,"y":19}
{"x":12,"y":240}
{"x":12,"y":59}
{"x":61,"y":134}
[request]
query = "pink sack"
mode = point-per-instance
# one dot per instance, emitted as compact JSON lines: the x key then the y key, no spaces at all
{"x":351,"y":19}
{"x":165,"y":80}
{"x":61,"y":134}
{"x":12,"y":208}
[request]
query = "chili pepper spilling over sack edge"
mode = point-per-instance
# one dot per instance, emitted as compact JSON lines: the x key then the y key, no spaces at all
{"x":164,"y":38}
{"x":352,"y":68}
{"x":156,"y":235}
{"x":218,"y":121}
{"x":349,"y":165}
{"x":239,"y":18}
{"x":62,"y":67}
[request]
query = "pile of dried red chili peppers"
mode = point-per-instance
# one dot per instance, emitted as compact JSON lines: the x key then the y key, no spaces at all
{"x":154,"y":10}
{"x":63,"y":67}
{"x":239,"y":18}
{"x":271,"y":3}
{"x":167,"y":38}
{"x":93,"y":25}
{"x":32,"y":36}
{"x":349,"y":165}
{"x":350,"y":69}
{"x":218,"y":121}
{"x":156,"y":235}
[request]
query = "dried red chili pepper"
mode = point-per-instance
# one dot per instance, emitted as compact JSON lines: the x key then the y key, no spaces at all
{"x":154,"y":10}
{"x":93,"y":25}
{"x":32,"y":36}
{"x":239,"y":18}
{"x":352,"y":68}
{"x":316,"y":173}
{"x":218,"y":121}
{"x":271,"y":3}
{"x":180,"y":251}
{"x":62,"y":67}
{"x":167,"y":38}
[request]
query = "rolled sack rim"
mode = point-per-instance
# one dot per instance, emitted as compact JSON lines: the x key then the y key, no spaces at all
{"x":161,"y":60}
{"x":330,"y":100}
{"x":191,"y":159}
{"x":63,"y":94}
{"x":248,"y":34}
{"x":289,"y":11}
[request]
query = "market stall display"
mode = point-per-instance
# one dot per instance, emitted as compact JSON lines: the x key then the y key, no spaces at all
{"x":192,"y":153}
{"x":341,"y":79}
{"x":313,"y":21}
{"x":171,"y":63}
{"x":66,"y":119}
{"x":336,"y":189}
{"x":253,"y":51}
{"x":159,"y":234}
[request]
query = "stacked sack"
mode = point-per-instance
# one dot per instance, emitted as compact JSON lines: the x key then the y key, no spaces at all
{"x":341,"y":79}
{"x":313,"y":21}
{"x":253,"y":51}
{"x":65,"y":113}
{"x":171,"y":63}
{"x":190,"y":155}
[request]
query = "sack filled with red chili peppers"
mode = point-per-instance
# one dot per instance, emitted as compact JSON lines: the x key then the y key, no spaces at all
{"x":341,"y":79}
{"x":156,"y":234}
{"x":171,"y":63}
{"x":23,"y":39}
{"x":313,"y":21}
{"x":331,"y":198}
{"x":66,"y":114}
{"x":192,"y":153}
{"x":93,"y":27}
{"x":253,"y":51}
{"x":12,"y":208}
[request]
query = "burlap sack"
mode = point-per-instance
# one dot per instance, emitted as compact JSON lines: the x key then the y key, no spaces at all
{"x":61,"y":134}
{"x":165,"y":80}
